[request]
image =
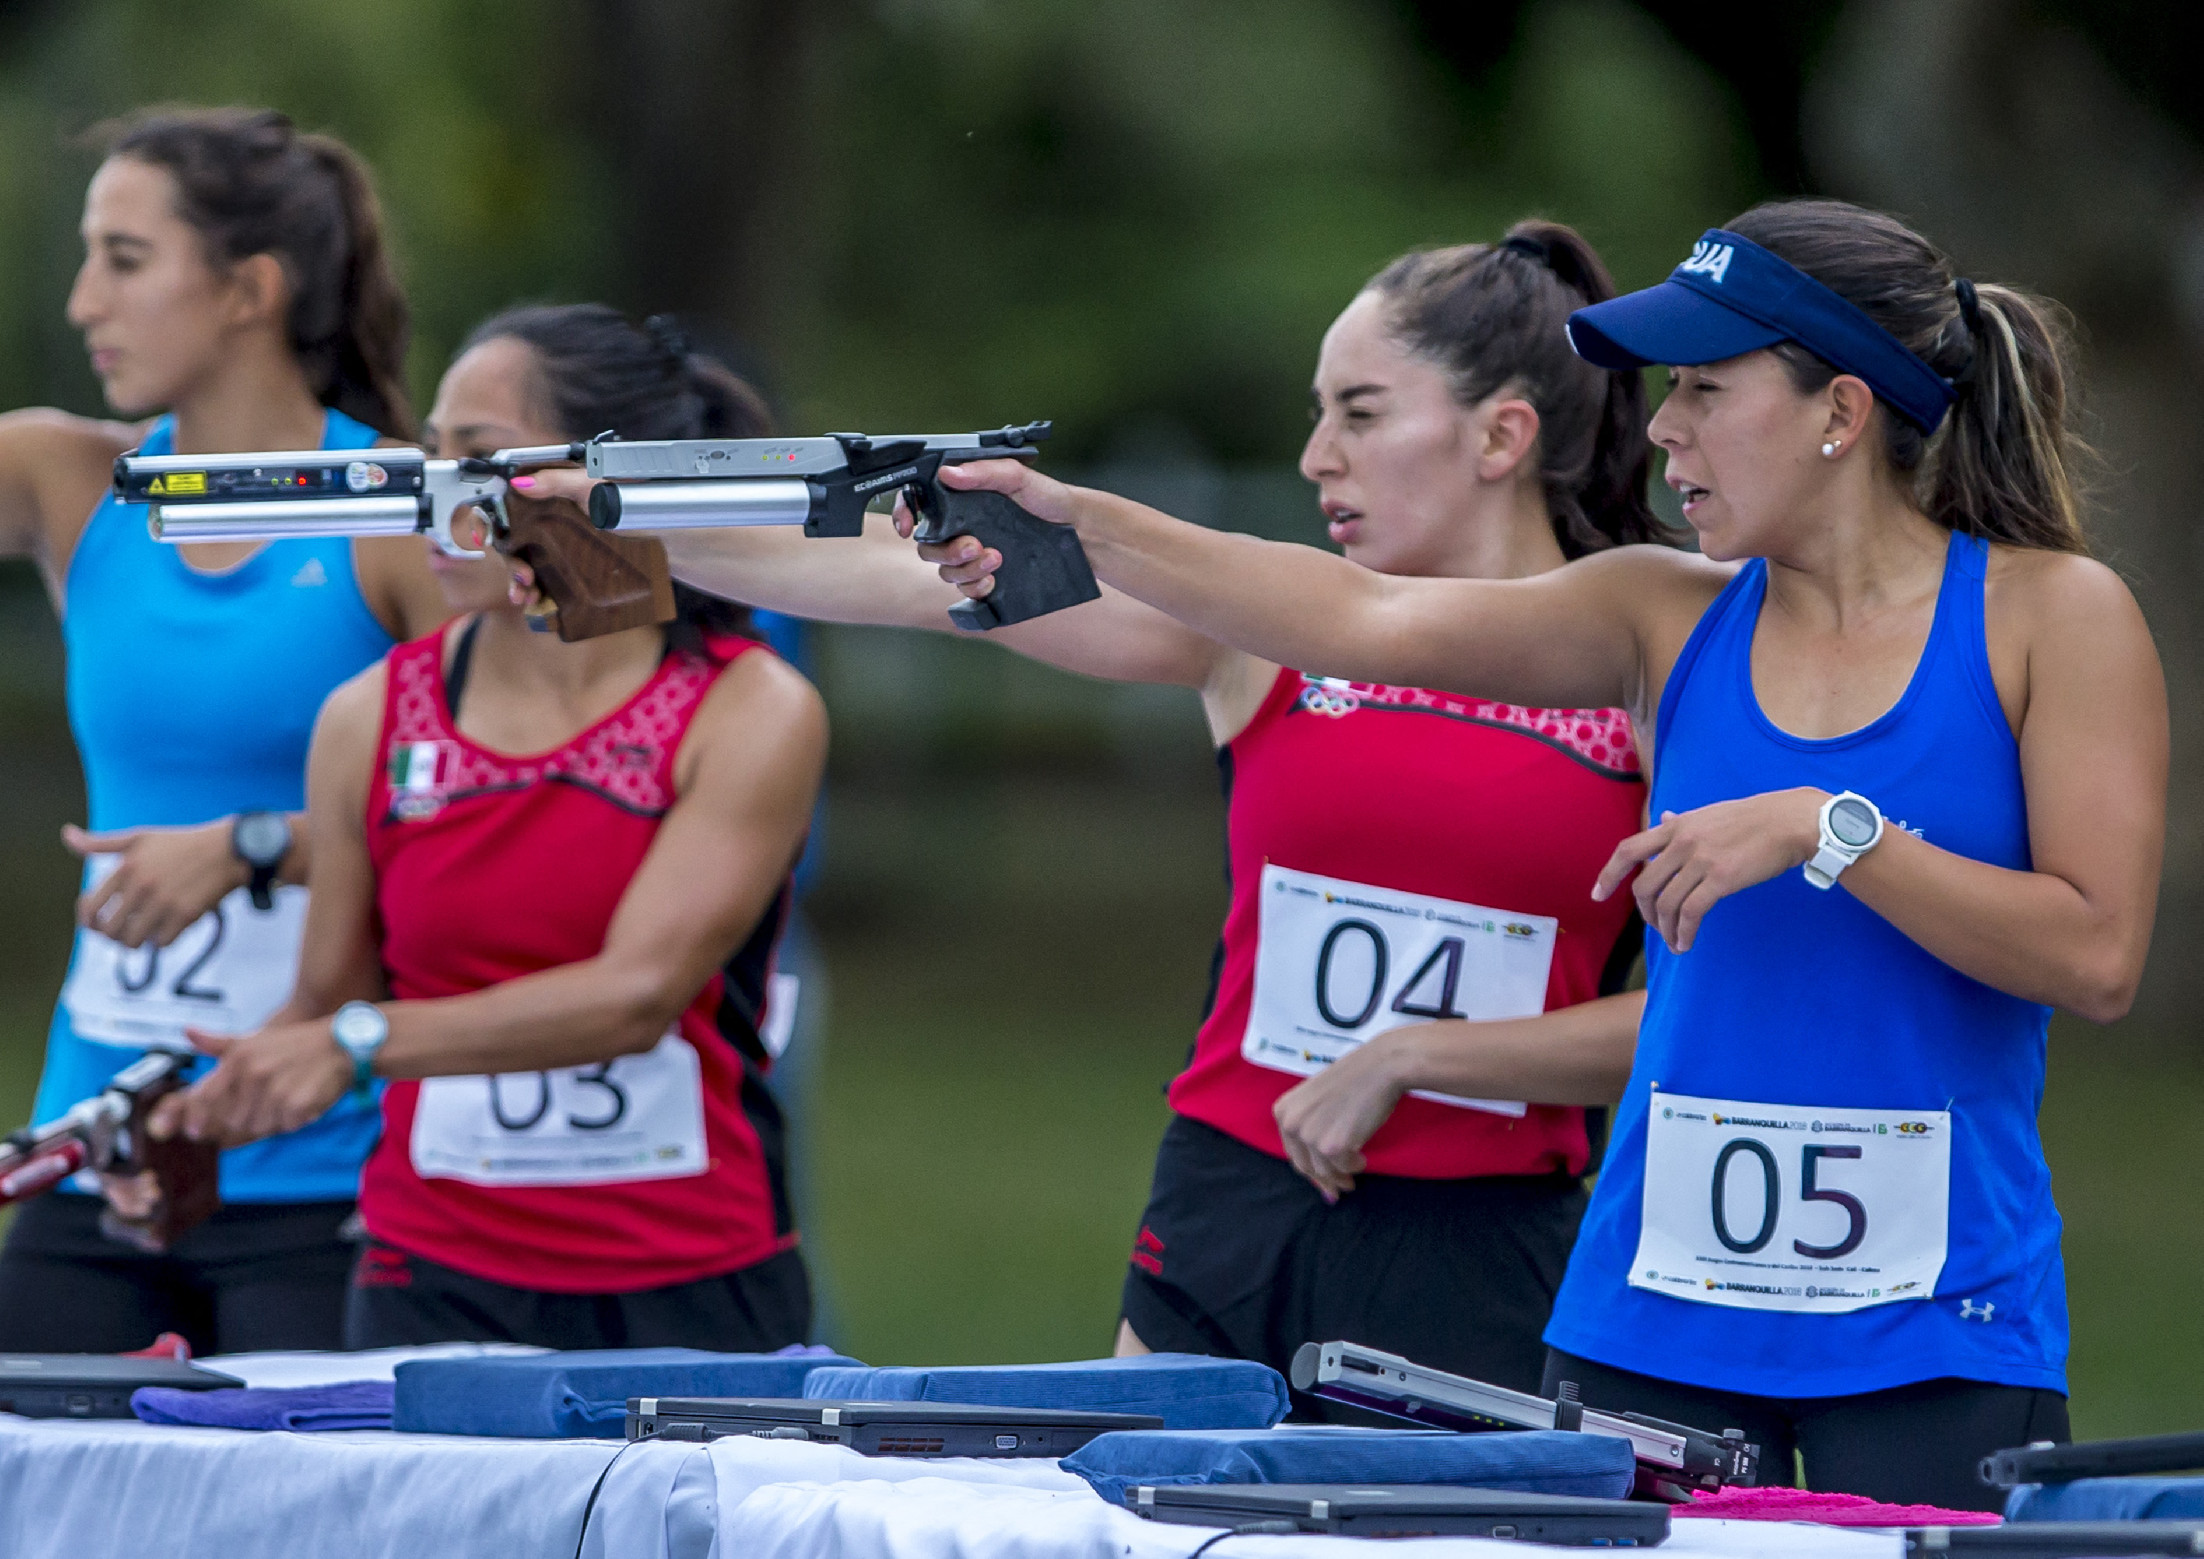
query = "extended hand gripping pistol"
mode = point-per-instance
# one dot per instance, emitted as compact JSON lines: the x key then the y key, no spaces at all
{"x":601,"y":574}
{"x":1672,"y":1458}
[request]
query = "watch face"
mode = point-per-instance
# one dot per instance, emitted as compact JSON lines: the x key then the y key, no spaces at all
{"x":357,"y":1024}
{"x":263,"y":837}
{"x":1852,"y":821}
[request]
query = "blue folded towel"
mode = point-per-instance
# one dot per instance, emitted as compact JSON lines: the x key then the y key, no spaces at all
{"x":559,"y":1396}
{"x":1187,"y":1390}
{"x":352,"y":1404}
{"x":1534,"y":1461}
{"x":2108,"y":1499}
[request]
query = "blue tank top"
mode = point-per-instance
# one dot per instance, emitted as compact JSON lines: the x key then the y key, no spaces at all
{"x":192,"y":696}
{"x":1795,"y":998}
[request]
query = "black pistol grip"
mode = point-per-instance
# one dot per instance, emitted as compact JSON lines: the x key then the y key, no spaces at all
{"x":1044,"y":569}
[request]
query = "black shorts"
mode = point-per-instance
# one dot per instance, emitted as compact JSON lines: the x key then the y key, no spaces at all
{"x":1238,"y":1255}
{"x":399,"y":1300}
{"x":1910,"y":1445}
{"x":253,"y":1276}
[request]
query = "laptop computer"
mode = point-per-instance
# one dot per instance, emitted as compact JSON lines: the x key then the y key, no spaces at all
{"x":1409,"y":1510}
{"x":91,"y":1385}
{"x":2061,"y":1539}
{"x":881,"y":1428}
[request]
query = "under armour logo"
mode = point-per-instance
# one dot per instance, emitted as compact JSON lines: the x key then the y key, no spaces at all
{"x":1970,"y":1311}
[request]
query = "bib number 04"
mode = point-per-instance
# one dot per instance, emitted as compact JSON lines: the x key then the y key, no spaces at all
{"x":1793,"y":1207}
{"x":1338,"y":962}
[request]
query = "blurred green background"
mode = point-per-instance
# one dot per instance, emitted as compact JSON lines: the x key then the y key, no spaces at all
{"x":1136,"y":217}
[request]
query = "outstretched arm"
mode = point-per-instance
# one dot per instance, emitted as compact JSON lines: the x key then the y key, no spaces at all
{"x":1596,"y":633}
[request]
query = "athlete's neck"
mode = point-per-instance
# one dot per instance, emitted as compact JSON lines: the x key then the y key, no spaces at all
{"x":585,"y":680}
{"x":1867,"y":549}
{"x":257,"y":397}
{"x":1505,"y":532}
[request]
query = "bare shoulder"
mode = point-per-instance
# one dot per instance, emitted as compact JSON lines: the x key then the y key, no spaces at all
{"x":355,"y":704}
{"x":63,"y":435}
{"x":2059,"y":594}
{"x":55,"y":450}
{"x":761,"y":695}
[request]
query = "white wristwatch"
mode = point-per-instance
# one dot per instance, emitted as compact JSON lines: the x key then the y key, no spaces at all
{"x":359,"y":1028}
{"x":1851,"y":825}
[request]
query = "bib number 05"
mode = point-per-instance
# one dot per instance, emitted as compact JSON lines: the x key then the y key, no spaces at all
{"x":1338,"y":962}
{"x":1793,"y":1207}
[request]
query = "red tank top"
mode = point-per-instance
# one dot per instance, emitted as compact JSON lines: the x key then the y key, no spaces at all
{"x":650,"y":1170}
{"x":1399,"y":854}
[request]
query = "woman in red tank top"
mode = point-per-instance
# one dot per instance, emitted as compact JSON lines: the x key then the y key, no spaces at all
{"x":549,"y":881}
{"x":1411,"y":948}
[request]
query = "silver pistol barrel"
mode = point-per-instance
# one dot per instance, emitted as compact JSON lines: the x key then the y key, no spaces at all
{"x":657,"y":506}
{"x":397,"y":516}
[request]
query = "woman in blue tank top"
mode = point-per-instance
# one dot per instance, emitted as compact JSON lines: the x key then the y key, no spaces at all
{"x":1909,"y":781}
{"x":234,"y":274}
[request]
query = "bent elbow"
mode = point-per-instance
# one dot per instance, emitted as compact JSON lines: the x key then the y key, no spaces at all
{"x":2105,"y":990}
{"x":643,"y":1011}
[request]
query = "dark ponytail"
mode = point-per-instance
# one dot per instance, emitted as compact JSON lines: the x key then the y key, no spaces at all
{"x":1494,"y":317}
{"x":250,"y":183}
{"x":598,"y":373}
{"x":2002,"y":465}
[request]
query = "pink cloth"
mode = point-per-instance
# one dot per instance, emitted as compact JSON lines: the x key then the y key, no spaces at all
{"x":1835,"y":1510}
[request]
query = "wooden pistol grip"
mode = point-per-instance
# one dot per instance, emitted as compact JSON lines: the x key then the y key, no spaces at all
{"x":188,"y":1174}
{"x":596,"y":582}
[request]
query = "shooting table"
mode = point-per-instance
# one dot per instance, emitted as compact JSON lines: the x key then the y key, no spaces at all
{"x":82,"y":1489}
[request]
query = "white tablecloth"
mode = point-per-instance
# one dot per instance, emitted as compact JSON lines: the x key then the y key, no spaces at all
{"x":104,"y":1489}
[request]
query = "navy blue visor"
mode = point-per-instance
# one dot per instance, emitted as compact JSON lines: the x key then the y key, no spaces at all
{"x":1732,"y":297}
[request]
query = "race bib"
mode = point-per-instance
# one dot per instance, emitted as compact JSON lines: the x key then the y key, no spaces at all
{"x":1793,"y":1207}
{"x":228,"y":973}
{"x":631,"y":1118}
{"x":1337,"y":961}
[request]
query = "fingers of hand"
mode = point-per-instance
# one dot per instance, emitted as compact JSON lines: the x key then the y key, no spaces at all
{"x":166,"y":1118}
{"x":85,"y":842}
{"x":136,"y":1197}
{"x":1632,"y":853}
{"x":994,"y":476}
{"x":1664,"y":911}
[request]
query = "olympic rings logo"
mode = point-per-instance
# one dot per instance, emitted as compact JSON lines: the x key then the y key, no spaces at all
{"x":1327,"y":699}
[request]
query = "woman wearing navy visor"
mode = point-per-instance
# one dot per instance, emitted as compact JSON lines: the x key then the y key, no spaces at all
{"x":1910,"y":749}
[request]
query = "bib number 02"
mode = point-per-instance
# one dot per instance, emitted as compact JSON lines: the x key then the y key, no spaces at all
{"x":227,"y":972}
{"x":1793,"y":1207}
{"x":1338,"y":962}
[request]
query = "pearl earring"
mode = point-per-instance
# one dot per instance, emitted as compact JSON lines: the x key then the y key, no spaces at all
{"x":1830,"y":449}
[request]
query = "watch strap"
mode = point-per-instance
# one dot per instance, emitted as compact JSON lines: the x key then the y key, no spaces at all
{"x":1827,"y":865}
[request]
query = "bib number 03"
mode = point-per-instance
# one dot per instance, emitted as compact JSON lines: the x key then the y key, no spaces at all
{"x":634,"y":1118}
{"x":1337,"y":962}
{"x":1793,"y":1207}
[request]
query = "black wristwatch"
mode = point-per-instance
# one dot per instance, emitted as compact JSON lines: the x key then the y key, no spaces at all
{"x":261,"y":840}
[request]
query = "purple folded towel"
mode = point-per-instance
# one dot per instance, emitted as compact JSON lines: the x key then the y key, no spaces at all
{"x":352,"y":1404}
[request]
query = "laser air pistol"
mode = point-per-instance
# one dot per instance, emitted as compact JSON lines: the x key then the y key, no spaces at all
{"x":600,"y":574}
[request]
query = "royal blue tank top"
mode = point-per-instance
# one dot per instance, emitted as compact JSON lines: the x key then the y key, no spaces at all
{"x":192,"y":696}
{"x":1805,"y":1002}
